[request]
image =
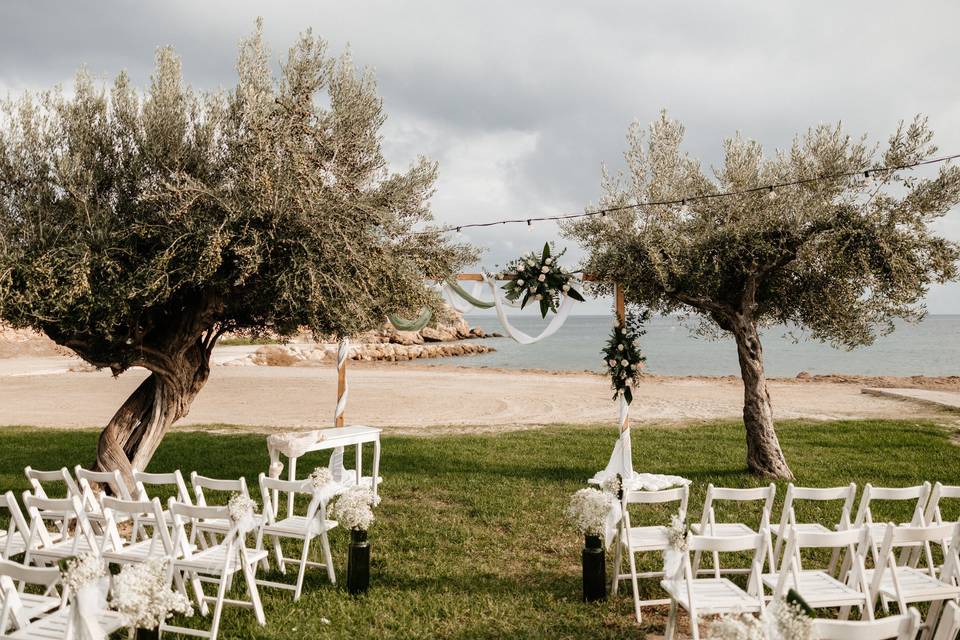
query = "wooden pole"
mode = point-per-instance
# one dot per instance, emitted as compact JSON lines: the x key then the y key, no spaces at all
{"x":341,"y":387}
{"x":343,"y":357}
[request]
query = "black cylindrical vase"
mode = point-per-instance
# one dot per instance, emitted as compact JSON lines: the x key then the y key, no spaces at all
{"x":147,"y":634}
{"x":358,"y":563}
{"x":594,"y":570}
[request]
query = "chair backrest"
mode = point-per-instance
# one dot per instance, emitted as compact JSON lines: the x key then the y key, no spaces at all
{"x":901,"y":627}
{"x":187,"y":515}
{"x":895,"y":536}
{"x":933,"y":513}
{"x":38,"y":478}
{"x":200,"y":483}
{"x":135,"y":510}
{"x":680,"y":495}
{"x":918,"y":494}
{"x":765,"y":495}
{"x":173,"y":478}
{"x":847,"y":494}
{"x":11,"y":606}
{"x":270,"y":485}
{"x":18,"y":528}
{"x":756,"y":542}
{"x":854,"y":542}
{"x":111,"y":479}
{"x":59,"y":511}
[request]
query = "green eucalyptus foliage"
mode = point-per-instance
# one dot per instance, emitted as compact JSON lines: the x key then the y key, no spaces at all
{"x":267,"y":207}
{"x":839,"y":258}
{"x":622,"y":355}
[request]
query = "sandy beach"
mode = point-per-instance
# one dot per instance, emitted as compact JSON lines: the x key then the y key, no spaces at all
{"x":42,"y":391}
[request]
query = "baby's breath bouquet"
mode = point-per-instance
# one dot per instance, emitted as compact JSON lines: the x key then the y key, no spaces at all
{"x":142,"y":595}
{"x":538,"y":278}
{"x":588,"y":510}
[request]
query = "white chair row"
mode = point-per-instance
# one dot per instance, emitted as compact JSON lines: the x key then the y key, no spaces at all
{"x":202,"y":541}
{"x":926,"y":509}
{"x":818,"y":587}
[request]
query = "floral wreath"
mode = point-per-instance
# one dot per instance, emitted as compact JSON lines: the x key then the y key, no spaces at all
{"x":538,"y":278}
{"x":622,"y":354}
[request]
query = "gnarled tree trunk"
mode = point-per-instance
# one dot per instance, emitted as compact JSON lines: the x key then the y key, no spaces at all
{"x":764,"y":456}
{"x":133,"y":434}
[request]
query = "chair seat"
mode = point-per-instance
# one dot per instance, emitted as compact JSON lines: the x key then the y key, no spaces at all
{"x":15,"y":542}
{"x":723,"y":529}
{"x":222,"y":525}
{"x":296,"y":525}
{"x":819,"y":589}
{"x":916,"y":585}
{"x":31,"y":605}
{"x":54,"y":626}
{"x":65,"y":549}
{"x":877,"y":531}
{"x":712,"y":595}
{"x":136,"y":552}
{"x":211,"y":560}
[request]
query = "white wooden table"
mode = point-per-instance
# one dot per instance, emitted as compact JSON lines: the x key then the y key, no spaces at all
{"x":295,"y":445}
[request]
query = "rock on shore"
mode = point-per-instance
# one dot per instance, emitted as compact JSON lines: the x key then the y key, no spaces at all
{"x":326,"y":354}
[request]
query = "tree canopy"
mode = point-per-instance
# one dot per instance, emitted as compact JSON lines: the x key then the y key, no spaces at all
{"x":136,"y":227}
{"x":840,"y":259}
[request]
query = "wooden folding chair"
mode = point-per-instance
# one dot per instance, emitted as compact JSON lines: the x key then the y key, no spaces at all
{"x":216,"y":564}
{"x":716,"y":595}
{"x":709,"y":526}
{"x":788,"y":517}
{"x":901,"y":627}
{"x":205,"y":531}
{"x":303,"y":528}
{"x":19,"y":607}
{"x":40,"y":548}
{"x":644,"y":539}
{"x":820,"y":588}
{"x":47,"y":484}
{"x":89,"y":496}
{"x":122,"y":546}
{"x":865,"y":517}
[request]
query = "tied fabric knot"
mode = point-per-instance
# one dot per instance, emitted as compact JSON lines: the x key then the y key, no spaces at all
{"x":276,"y":467}
{"x":88,"y":601}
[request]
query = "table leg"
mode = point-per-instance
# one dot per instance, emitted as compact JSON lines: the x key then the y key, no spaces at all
{"x":359,"y":463}
{"x":291,"y":476}
{"x":376,"y":464}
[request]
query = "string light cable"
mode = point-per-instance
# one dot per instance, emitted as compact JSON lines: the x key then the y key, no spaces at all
{"x":770,"y":189}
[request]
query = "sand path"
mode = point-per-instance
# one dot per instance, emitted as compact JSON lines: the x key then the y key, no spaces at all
{"x":409,"y":398}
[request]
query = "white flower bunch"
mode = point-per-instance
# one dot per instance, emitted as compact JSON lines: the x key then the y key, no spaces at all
{"x":780,"y":621}
{"x":81,"y":571}
{"x":612,"y":484}
{"x":588,"y":509}
{"x":320,"y":477}
{"x":241,"y":507}
{"x":736,"y":627}
{"x":142,"y":597}
{"x":354,"y":508}
{"x":677,"y":534}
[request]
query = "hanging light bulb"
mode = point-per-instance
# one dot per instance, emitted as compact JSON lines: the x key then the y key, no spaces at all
{"x":530,"y":225}
{"x":771,"y":194}
{"x":459,"y":230}
{"x":684,"y":209}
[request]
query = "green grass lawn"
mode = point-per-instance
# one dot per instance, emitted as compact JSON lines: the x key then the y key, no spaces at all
{"x":471,"y":540}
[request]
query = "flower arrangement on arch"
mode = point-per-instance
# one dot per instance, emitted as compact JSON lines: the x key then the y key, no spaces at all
{"x":588,"y":510}
{"x":538,"y":278}
{"x":622,"y":355}
{"x":142,"y":596}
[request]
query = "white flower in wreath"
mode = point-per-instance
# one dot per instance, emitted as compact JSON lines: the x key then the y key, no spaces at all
{"x":520,"y":282}
{"x":624,"y":362}
{"x":545,"y":269}
{"x":548,"y":261}
{"x":531,"y":263}
{"x":612,"y":363}
{"x":619,"y":347}
{"x":541,"y":277}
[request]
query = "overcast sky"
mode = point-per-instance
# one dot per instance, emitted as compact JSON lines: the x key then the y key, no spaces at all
{"x":521,"y":102}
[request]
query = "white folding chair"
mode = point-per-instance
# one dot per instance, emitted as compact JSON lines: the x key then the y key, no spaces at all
{"x":820,"y":588}
{"x":907,"y":585}
{"x":13,"y":541}
{"x":644,"y":539}
{"x":865,"y":516}
{"x":173,"y":480}
{"x":47,"y":484}
{"x":54,"y":624}
{"x":788,"y":517}
{"x":709,"y":526}
{"x":90,"y":498}
{"x":706,"y":596}
{"x":19,"y":607}
{"x":934,"y":511}
{"x":58,"y":511}
{"x":304,"y":528}
{"x":217,"y":564}
{"x":949,"y":627}
{"x":901,"y":627}
{"x":205,"y":527}
{"x":122,"y":550}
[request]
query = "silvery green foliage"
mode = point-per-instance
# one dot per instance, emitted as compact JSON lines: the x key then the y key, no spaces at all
{"x":839,"y":258}
{"x":266,"y":207}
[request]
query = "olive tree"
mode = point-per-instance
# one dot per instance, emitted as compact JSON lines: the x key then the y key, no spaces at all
{"x":137,"y":227}
{"x":836,"y":259}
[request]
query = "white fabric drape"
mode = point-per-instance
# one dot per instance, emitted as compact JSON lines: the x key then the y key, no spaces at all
{"x":558,"y":320}
{"x":336,"y":457}
{"x":463,"y":306}
{"x":88,"y":601}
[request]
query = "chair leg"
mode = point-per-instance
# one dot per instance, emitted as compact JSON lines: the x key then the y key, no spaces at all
{"x":933,"y":617}
{"x":617,"y":562}
{"x":328,"y":557}
{"x":218,"y":608}
{"x":694,"y":626}
{"x":248,"y":575}
{"x":844,"y":613}
{"x":671,"y":629}
{"x":303,"y":568}
{"x":636,"y":588}
{"x":278,"y":551}
{"x":198,"y":593}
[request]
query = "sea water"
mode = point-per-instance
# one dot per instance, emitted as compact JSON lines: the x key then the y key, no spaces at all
{"x":931,"y":347}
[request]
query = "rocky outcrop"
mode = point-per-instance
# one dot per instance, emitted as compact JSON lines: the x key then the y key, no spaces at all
{"x":326,"y":354}
{"x":15,"y":343}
